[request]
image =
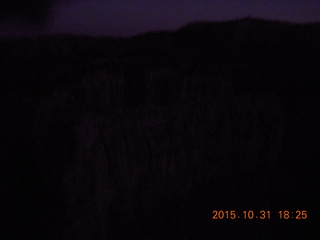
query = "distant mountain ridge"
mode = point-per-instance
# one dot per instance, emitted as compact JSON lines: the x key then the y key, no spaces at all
{"x":199,"y":45}
{"x":249,"y":27}
{"x":246,"y":20}
{"x":244,"y":31}
{"x":250,"y":22}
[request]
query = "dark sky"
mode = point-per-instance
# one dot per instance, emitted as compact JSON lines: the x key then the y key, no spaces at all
{"x":129,"y":17}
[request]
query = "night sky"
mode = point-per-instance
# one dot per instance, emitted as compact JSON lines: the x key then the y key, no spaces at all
{"x":129,"y":17}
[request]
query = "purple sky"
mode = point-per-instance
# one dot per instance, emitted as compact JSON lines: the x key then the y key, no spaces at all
{"x":129,"y":17}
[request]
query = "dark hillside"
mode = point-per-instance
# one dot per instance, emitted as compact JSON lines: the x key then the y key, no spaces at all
{"x":144,"y":137}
